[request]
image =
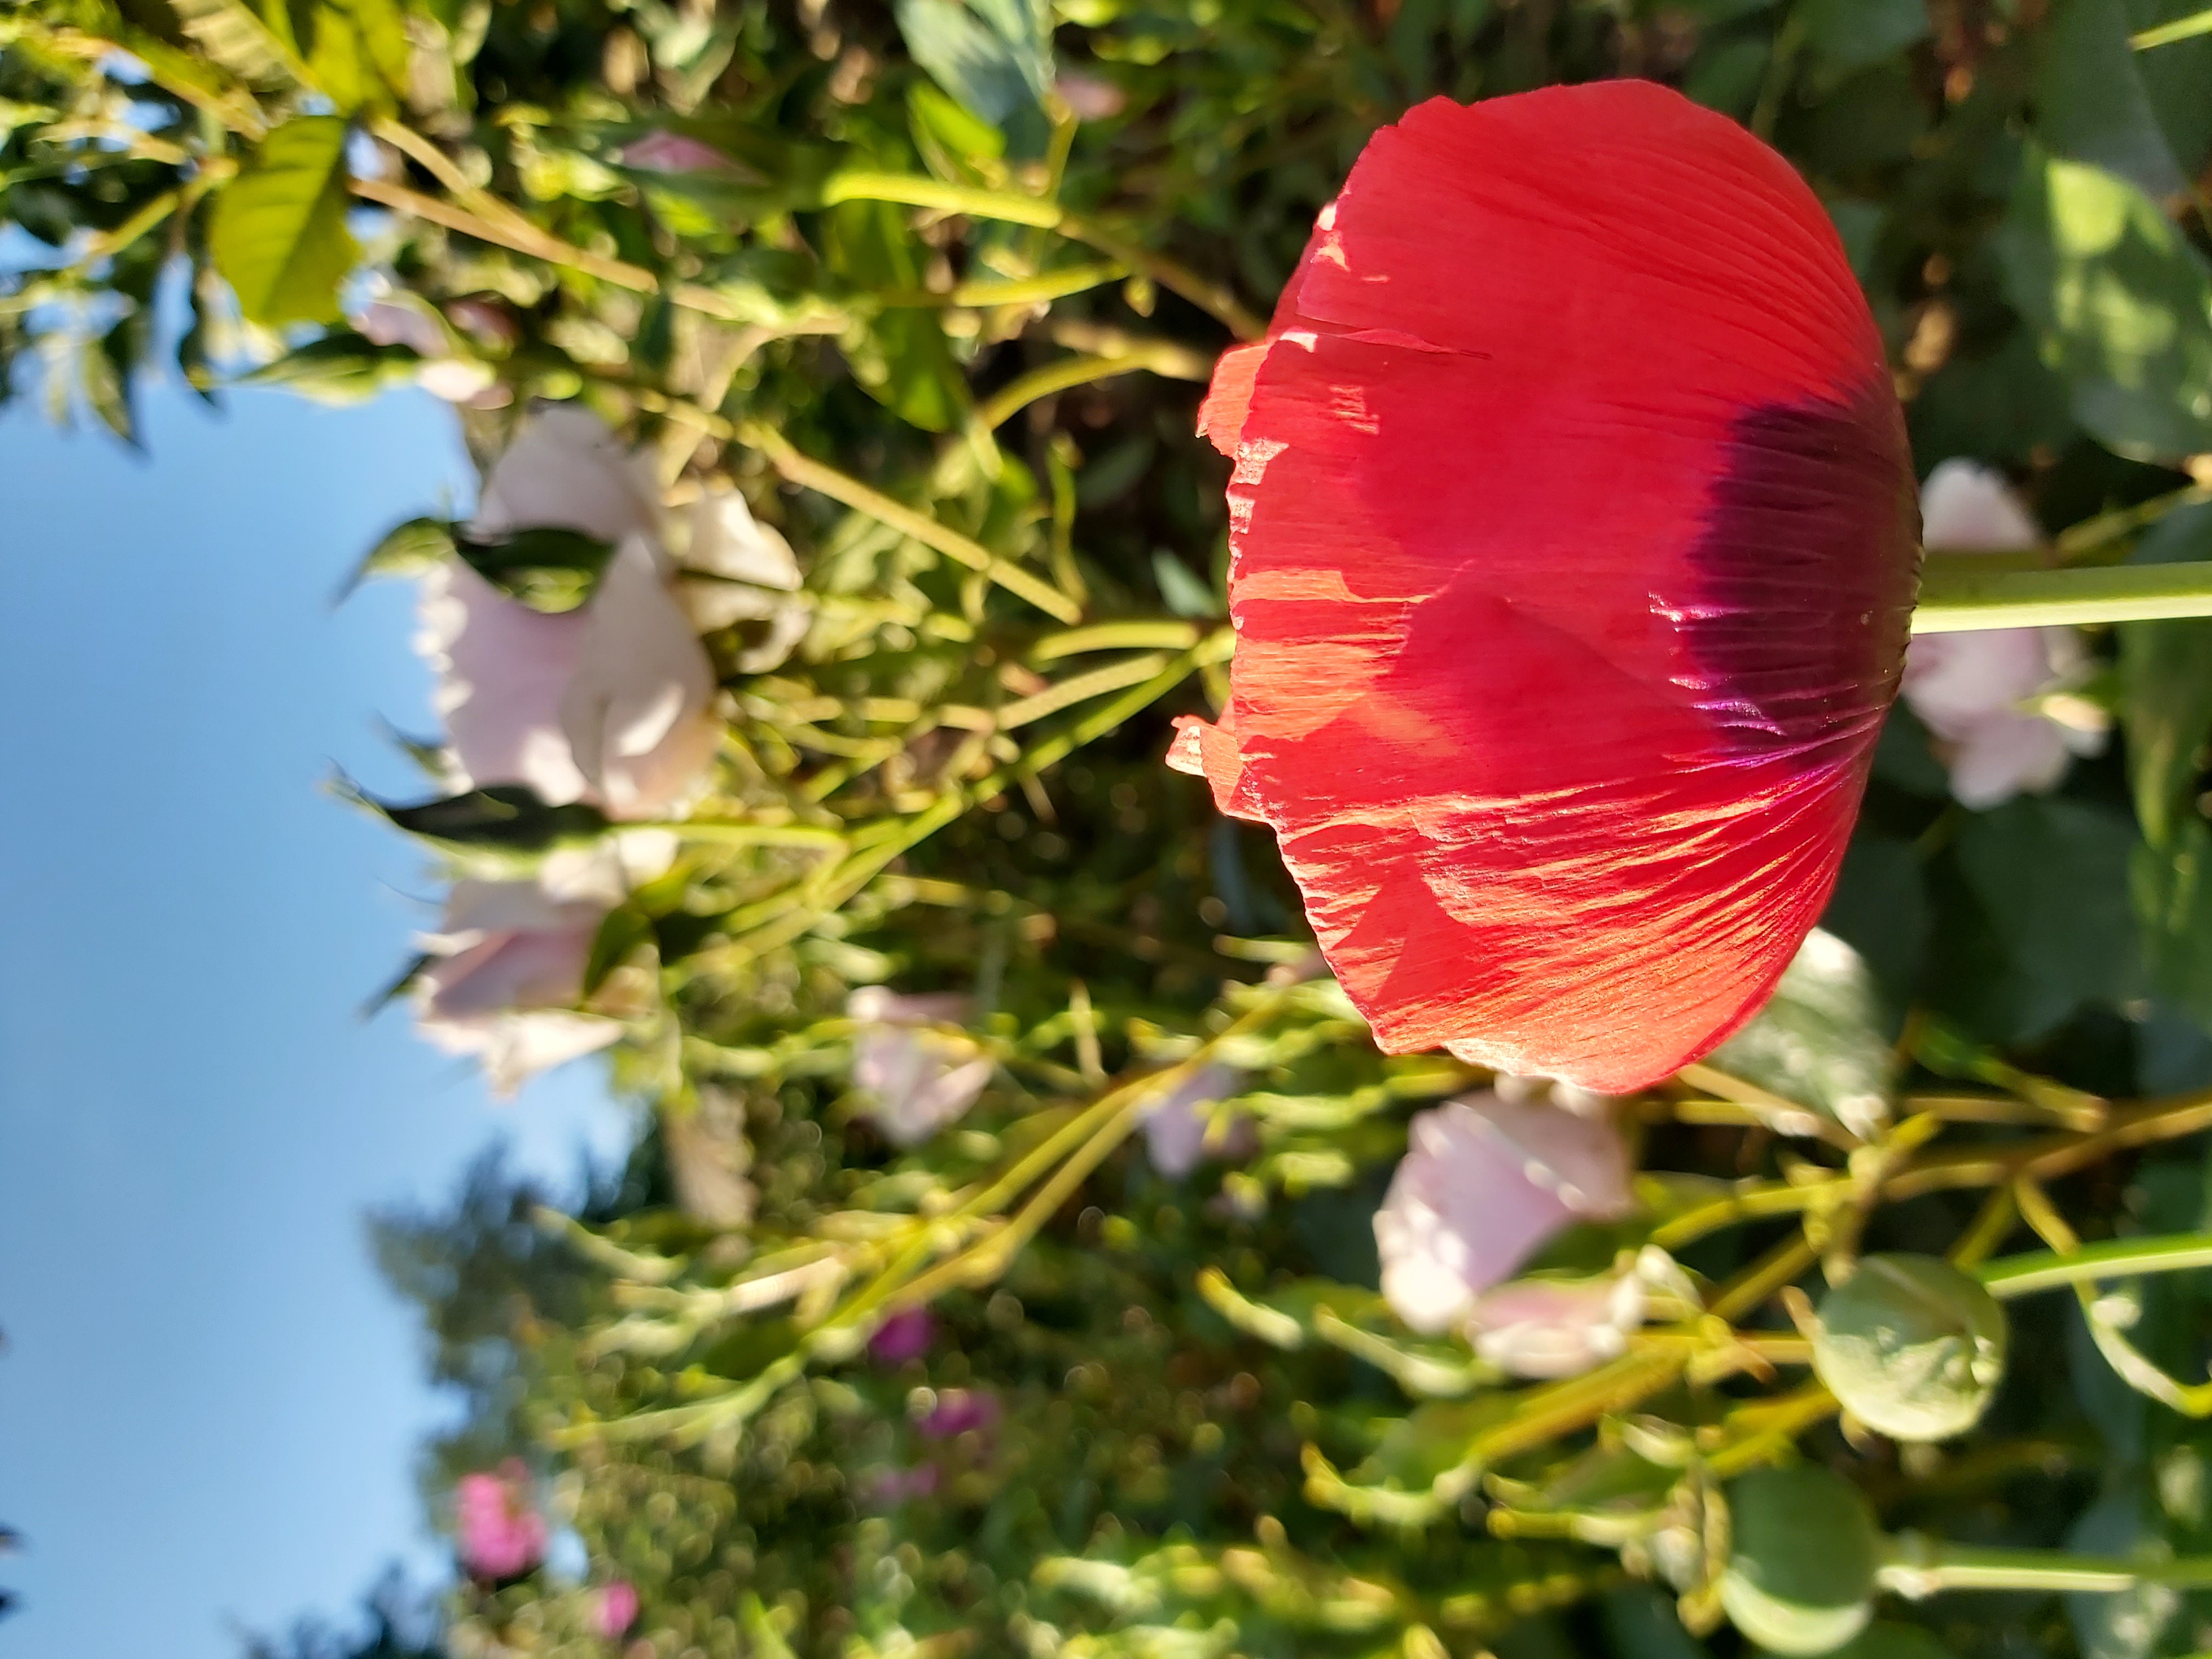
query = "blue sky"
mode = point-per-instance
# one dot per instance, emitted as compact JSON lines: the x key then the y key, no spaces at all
{"x":207,"y":1401}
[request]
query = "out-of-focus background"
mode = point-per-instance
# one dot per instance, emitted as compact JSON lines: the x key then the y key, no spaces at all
{"x":207,"y":1392}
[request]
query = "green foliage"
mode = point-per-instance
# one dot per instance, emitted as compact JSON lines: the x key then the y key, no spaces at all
{"x":279,"y":235}
{"x":936,"y":297}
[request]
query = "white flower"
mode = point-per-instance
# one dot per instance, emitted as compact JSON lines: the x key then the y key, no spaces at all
{"x":1985,"y":696}
{"x":1967,"y":507}
{"x":744,"y":572}
{"x":1484,"y":1182}
{"x":610,"y":703}
{"x":508,"y":963}
{"x":1176,"y":1125}
{"x":1550,"y":1328}
{"x":918,"y":1074}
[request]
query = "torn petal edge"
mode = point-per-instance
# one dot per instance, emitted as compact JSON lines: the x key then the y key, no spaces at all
{"x":1228,"y":399}
{"x":1207,"y":750}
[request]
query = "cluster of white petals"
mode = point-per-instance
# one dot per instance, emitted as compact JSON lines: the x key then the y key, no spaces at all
{"x":611,"y":703}
{"x":915,"y":1068}
{"x":1485,"y":1182}
{"x":506,"y":966}
{"x":1986,"y":696}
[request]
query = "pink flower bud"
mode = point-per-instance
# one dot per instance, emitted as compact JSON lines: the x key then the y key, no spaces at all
{"x":500,"y":1535}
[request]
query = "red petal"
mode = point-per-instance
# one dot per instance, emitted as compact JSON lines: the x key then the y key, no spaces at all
{"x":1221,"y":417}
{"x":1574,"y":548}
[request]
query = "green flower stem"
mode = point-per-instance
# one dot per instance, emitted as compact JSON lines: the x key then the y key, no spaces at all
{"x":1953,"y":601}
{"x":1012,"y":208}
{"x":2182,"y":28}
{"x":1919,"y":1566}
{"x":1069,"y":371}
{"x":805,"y":470}
{"x":2117,"y":1258}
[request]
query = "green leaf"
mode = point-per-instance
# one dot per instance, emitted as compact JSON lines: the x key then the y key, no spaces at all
{"x":1820,"y":1039}
{"x":241,"y":40}
{"x":1842,"y":36}
{"x":2166,"y":676}
{"x":1180,"y":590}
{"x":2122,"y":304}
{"x":901,"y":358}
{"x":104,"y":367}
{"x":341,"y":368}
{"x":993,"y":56}
{"x":505,"y":818}
{"x":279,"y":233}
{"x":545,"y":567}
{"x":2052,"y":880}
{"x":1880,"y":908}
{"x":2172,"y":890}
{"x":2091,"y":105}
{"x":409,"y":549}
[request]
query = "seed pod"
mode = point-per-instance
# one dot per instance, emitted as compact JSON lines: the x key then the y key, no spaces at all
{"x":1913,"y":1347}
{"x":1801,"y":1580}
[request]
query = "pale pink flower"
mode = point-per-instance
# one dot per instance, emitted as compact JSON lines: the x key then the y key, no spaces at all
{"x":1549,"y":1328}
{"x":1176,"y":1125}
{"x":566,"y":467}
{"x":1484,"y":1182}
{"x":486,"y":319}
{"x":389,"y":322}
{"x":610,"y":703}
{"x":736,"y":569}
{"x":615,"y":1609}
{"x":1089,"y":97}
{"x":1978,"y":693}
{"x":918,"y":1074}
{"x":663,"y":151}
{"x":500,"y":1535}
{"x":507,"y":966}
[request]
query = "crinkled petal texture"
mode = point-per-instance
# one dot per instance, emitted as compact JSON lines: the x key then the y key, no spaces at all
{"x":1574,"y":547}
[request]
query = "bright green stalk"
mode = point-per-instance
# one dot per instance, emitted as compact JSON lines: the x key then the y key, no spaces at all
{"x":1953,"y":601}
{"x":2116,"y":1258}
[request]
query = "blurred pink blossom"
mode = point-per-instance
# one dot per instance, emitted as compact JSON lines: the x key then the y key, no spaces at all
{"x":1484,"y":1182}
{"x":918,"y":1074}
{"x":1091,"y":97}
{"x":1176,"y":1125}
{"x":1546,"y":1328}
{"x":958,"y":1410}
{"x":905,"y":1335}
{"x":500,"y":1535}
{"x":616,"y":1609}
{"x":505,"y":967}
{"x":388,"y":322}
{"x":1975,"y":692}
{"x":885,"y":1489}
{"x":673,"y":152}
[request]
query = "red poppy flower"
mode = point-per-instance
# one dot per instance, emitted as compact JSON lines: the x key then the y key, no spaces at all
{"x":1573,"y":551}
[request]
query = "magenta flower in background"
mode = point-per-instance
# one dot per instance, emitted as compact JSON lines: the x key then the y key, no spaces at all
{"x":500,"y":1535}
{"x":905,"y":1335}
{"x":959,"y":1410}
{"x":616,"y":1610}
